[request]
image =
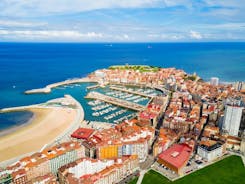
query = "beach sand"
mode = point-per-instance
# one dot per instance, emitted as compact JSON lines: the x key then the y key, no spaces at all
{"x":47,"y":124}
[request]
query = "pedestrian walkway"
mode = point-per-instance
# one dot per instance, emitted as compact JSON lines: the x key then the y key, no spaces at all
{"x":142,"y":173}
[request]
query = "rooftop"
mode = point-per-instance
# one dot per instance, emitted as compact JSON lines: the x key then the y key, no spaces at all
{"x":82,"y":133}
{"x":177,"y":155}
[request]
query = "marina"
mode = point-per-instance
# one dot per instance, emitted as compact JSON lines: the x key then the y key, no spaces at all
{"x":115,"y":101}
{"x":144,"y":94}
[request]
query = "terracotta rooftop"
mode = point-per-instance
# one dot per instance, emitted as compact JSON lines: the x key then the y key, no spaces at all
{"x":82,"y":133}
{"x":177,"y":155}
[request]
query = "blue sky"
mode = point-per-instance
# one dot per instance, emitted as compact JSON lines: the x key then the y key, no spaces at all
{"x":122,"y":20}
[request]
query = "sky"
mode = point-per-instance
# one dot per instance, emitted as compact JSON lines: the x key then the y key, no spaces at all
{"x":122,"y":20}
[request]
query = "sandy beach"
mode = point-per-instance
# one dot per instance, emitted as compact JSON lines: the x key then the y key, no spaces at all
{"x":47,"y":124}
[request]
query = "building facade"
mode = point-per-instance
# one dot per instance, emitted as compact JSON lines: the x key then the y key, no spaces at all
{"x":211,"y":152}
{"x":214,"y":81}
{"x":232,"y":119}
{"x":96,"y":171}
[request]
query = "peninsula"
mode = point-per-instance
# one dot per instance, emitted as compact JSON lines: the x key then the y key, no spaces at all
{"x":160,"y":120}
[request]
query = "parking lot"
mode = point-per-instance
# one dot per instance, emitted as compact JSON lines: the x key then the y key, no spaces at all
{"x":164,"y":171}
{"x":192,"y":166}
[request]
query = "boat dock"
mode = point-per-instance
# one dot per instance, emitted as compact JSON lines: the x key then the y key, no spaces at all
{"x":160,"y":88}
{"x":93,"y":87}
{"x":131,"y":91}
{"x":115,"y":101}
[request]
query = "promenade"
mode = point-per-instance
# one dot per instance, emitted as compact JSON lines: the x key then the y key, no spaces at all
{"x":115,"y":101}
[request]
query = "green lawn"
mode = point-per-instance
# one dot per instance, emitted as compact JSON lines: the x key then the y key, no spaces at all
{"x":228,"y":171}
{"x":140,"y":68}
{"x":134,"y":181}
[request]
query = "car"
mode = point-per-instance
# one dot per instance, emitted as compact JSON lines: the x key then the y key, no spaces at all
{"x":188,"y":171}
{"x":198,"y":162}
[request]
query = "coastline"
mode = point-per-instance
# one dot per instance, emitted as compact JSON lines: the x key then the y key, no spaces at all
{"x":15,"y":128}
{"x":37,"y":132}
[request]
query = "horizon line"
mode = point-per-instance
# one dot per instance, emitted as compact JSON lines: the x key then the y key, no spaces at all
{"x":115,"y":42}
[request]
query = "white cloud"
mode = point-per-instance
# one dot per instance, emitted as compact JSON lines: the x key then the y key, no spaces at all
{"x":195,"y":35}
{"x":11,"y":23}
{"x":125,"y":36}
{"x":169,"y":3}
{"x":47,"y":7}
{"x":167,"y":36}
{"x":50,"y":34}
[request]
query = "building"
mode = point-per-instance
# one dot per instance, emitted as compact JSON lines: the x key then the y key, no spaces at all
{"x":232,"y":119}
{"x":242,"y":147}
{"x":46,"y":179}
{"x":82,"y":133}
{"x":5,"y":177}
{"x":233,"y":142}
{"x":111,"y":151}
{"x":126,"y":138}
{"x":36,"y":165}
{"x":41,"y":166}
{"x":63,"y":154}
{"x":19,"y":177}
{"x":96,"y":171}
{"x":176,"y":157}
{"x":210,"y":150}
{"x":214,"y":81}
{"x":239,"y":86}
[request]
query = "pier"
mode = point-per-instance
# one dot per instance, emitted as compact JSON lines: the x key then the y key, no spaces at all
{"x":20,"y":108}
{"x":159,"y":87}
{"x":49,"y":87}
{"x":115,"y":101}
{"x":131,"y":91}
{"x":93,"y":87}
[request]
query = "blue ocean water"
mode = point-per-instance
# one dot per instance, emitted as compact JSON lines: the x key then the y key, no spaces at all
{"x":32,"y":65}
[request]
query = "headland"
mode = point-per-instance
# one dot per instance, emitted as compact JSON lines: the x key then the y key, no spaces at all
{"x":175,"y":133}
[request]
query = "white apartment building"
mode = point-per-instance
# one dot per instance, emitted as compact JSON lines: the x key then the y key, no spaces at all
{"x":232,"y":119}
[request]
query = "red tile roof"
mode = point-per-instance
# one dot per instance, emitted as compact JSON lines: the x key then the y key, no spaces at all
{"x":177,"y":155}
{"x":82,"y":133}
{"x":147,"y":115}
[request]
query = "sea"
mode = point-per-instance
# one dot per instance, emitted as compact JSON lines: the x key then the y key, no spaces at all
{"x":25,"y":66}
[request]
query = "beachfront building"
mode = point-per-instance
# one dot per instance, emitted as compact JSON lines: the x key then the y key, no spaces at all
{"x":5,"y":177}
{"x":210,"y":150}
{"x":63,"y":154}
{"x":46,"y":162}
{"x":19,"y":177}
{"x":176,"y":157}
{"x":36,"y":165}
{"x":232,"y":119}
{"x":96,"y":171}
